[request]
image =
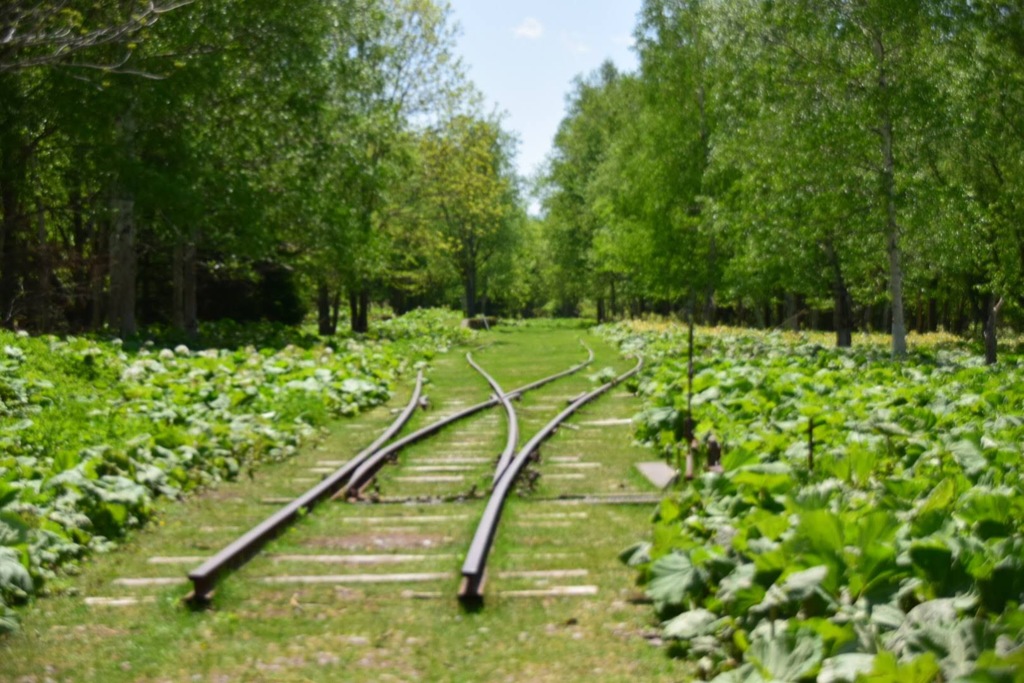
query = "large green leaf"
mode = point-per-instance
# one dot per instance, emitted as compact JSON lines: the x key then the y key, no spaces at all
{"x":774,"y":476}
{"x":12,"y":529}
{"x":636,"y":554}
{"x":674,"y":578}
{"x":933,"y":512}
{"x":983,"y":504}
{"x":846,"y":668}
{"x":789,"y":656}
{"x":697,"y":622}
{"x":739,"y":590}
{"x":14,"y":578}
{"x":887,"y":669}
{"x":822,"y":532}
{"x":744,"y":674}
{"x":969,"y":456}
{"x":768,"y":524}
{"x":794,"y":588}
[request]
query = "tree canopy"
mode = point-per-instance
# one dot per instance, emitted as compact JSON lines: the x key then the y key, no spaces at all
{"x":779,"y":162}
{"x":163,"y":162}
{"x":838,"y":165}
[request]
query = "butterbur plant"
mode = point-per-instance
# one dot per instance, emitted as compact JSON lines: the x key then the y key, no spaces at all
{"x":899,"y":557}
{"x":91,"y":432}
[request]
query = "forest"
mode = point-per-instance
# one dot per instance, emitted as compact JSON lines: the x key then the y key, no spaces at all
{"x":835,"y":165}
{"x":844,"y":165}
{"x":167,"y":162}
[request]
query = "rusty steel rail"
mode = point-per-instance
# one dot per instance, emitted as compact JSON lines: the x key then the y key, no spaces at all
{"x":471,"y":591}
{"x":369,"y":468}
{"x":513,"y":422}
{"x":205,"y":577}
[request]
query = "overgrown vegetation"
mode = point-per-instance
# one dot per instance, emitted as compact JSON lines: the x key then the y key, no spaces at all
{"x":91,"y":434}
{"x":892,"y":552}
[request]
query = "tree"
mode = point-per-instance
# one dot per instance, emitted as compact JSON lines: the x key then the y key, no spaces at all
{"x":473,"y":197}
{"x":402,"y":70}
{"x":572,"y":222}
{"x":979,"y":162}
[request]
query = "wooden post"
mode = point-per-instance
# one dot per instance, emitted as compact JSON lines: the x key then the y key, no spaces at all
{"x":810,"y":444}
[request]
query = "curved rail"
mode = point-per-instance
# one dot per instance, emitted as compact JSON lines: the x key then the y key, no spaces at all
{"x":513,"y":422}
{"x":474,"y":568}
{"x":516,"y":393}
{"x":368,"y":470}
{"x":204,"y":578}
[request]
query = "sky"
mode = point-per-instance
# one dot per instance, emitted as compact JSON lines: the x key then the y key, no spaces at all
{"x":524,"y":55}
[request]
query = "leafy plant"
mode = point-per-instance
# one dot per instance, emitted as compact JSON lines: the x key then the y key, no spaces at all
{"x":92,"y":432}
{"x":896,"y":552}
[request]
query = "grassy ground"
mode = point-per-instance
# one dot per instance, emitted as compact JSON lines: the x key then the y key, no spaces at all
{"x":258,"y":630}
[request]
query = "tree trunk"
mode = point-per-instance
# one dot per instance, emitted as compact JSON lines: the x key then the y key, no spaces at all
{"x":792,"y":321}
{"x":842,"y":302}
{"x":335,"y":311}
{"x":184,"y":305}
{"x":44,"y":304}
{"x":600,"y":310}
{"x":191,"y":290}
{"x":991,"y":327}
{"x":364,"y":310}
{"x":359,"y":304}
{"x":710,"y":308}
{"x":760,"y":317}
{"x":11,"y":258}
{"x":843,"y":314}
{"x":178,"y":288}
{"x":892,"y":231}
{"x":96,"y":277}
{"x":469,"y":282}
{"x":123,"y":266}
{"x":323,"y":309}
{"x":920,"y":304}
{"x":353,"y":309}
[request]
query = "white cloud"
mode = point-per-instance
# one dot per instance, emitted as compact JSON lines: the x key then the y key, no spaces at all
{"x":574,"y":43}
{"x":530,"y":29}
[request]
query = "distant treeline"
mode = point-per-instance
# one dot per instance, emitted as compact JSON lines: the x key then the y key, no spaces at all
{"x":844,"y":165}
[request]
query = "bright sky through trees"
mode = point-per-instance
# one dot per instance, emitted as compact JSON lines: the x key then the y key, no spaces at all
{"x":524,"y":55}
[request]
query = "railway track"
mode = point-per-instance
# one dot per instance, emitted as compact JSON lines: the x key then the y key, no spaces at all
{"x":474,"y":569}
{"x":352,"y":478}
{"x":372,"y":464}
{"x":510,"y":413}
{"x":204,"y":578}
{"x":364,"y":589}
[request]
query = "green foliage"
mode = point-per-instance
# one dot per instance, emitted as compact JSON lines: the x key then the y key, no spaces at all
{"x":770,"y":160}
{"x":91,"y":434}
{"x":899,"y":556}
{"x":473,"y":210}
